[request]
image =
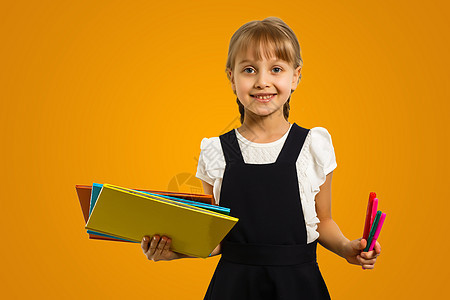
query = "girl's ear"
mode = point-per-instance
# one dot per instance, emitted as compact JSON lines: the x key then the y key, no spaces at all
{"x":296,"y":78}
{"x":231,"y":78}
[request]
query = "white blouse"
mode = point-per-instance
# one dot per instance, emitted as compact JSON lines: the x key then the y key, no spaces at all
{"x":315,"y":161}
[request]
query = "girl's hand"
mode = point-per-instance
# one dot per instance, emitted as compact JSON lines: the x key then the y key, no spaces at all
{"x":354,"y":255}
{"x":157,"y":248}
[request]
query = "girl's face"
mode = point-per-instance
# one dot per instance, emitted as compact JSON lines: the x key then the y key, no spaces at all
{"x":263,"y":86}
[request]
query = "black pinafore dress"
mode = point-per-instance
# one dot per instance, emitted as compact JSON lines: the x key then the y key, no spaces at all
{"x":266,"y":254}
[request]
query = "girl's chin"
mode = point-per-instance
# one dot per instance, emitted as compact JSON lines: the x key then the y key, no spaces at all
{"x":262,"y":112}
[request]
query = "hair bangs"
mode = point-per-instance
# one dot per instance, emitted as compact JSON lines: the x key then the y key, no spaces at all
{"x":265,"y":42}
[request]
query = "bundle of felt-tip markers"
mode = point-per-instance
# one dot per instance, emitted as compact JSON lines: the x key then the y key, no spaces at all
{"x":374,"y":222}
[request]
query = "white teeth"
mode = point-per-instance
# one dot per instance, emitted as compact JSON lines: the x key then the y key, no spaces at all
{"x":263,"y":97}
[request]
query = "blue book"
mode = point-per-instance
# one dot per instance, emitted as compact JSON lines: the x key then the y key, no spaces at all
{"x":96,"y":188}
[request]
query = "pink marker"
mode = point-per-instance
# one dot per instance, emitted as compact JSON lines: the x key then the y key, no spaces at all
{"x":377,"y":233}
{"x":374,"y":211}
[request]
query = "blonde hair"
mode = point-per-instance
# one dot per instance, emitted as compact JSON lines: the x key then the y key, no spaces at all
{"x":273,"y":36}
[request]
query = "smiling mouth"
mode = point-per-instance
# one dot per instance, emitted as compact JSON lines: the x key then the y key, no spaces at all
{"x":266,"y":98}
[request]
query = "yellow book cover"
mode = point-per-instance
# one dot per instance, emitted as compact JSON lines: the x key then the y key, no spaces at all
{"x":131,"y":215}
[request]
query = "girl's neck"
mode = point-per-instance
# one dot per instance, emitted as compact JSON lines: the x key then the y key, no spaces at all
{"x":264,"y":130}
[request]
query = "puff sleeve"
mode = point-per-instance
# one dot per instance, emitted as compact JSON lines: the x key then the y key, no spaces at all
{"x":323,"y":158}
{"x":330,"y":163}
{"x":201,"y":168}
{"x":211,"y":163}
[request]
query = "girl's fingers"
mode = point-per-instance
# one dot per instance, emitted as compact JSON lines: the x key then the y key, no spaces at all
{"x":365,"y":262}
{"x":145,"y":243}
{"x":369,"y":267}
{"x":167,"y":245}
{"x":363,"y":243}
{"x":156,"y":247}
{"x":160,"y":248}
{"x":377,"y":248}
{"x":153,"y":245}
{"x":368,"y":259}
{"x":369,"y":255}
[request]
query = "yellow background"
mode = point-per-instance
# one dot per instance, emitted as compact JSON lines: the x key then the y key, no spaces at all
{"x":122,"y":92}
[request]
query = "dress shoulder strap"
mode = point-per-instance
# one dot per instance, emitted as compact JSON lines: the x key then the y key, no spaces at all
{"x":230,"y":147}
{"x":293,"y":144}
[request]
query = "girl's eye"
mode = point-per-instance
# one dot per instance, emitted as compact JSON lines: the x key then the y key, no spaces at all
{"x":249,"y":72}
{"x":278,"y":69}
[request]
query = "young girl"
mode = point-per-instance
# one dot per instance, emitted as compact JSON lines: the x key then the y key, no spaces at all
{"x":274,"y":175}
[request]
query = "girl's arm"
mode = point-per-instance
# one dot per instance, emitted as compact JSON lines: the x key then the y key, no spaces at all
{"x":331,"y":237}
{"x":158,"y":248}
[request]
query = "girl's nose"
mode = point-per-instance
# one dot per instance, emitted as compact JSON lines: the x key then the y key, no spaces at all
{"x":262,"y":80}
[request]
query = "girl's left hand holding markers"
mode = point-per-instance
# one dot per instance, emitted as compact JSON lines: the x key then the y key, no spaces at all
{"x":354,"y":255}
{"x":158,"y":248}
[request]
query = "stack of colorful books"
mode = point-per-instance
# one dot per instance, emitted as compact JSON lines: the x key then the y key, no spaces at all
{"x":195,"y":225}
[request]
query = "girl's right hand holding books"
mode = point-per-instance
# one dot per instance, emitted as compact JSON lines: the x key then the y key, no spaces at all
{"x":158,"y":248}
